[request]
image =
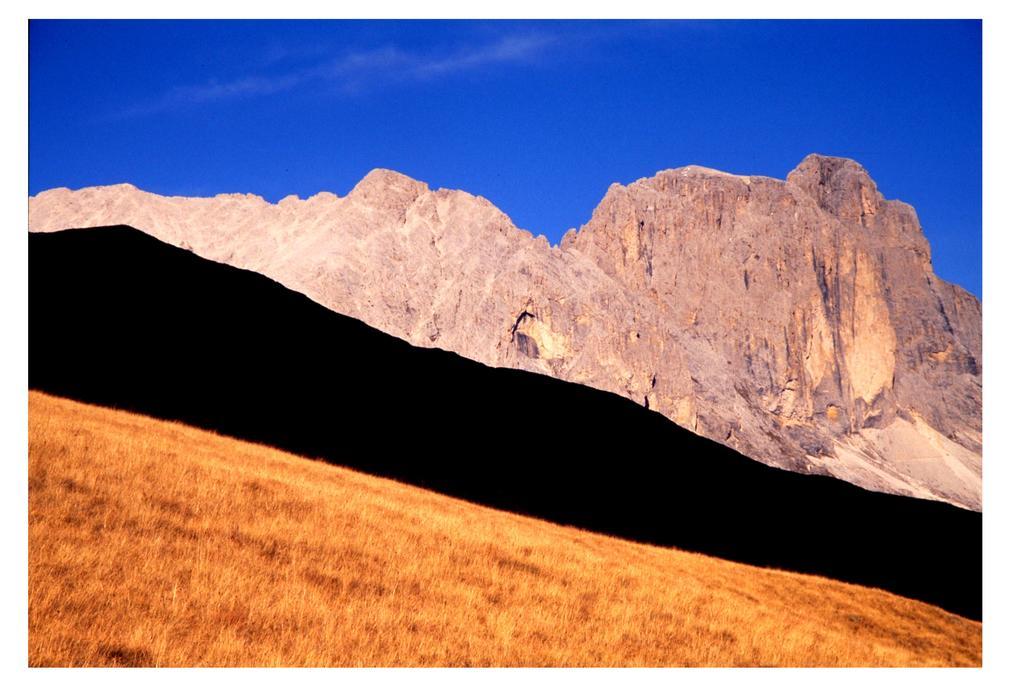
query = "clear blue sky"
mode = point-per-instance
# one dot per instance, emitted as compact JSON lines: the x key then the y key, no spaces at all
{"x":539,"y":117}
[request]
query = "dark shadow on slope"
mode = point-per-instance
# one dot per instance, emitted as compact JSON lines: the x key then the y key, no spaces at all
{"x":121,"y":319}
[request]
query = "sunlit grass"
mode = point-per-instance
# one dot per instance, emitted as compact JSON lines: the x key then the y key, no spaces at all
{"x":153,"y":543}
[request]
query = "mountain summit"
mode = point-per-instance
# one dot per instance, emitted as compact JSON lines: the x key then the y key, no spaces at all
{"x":798,"y":321}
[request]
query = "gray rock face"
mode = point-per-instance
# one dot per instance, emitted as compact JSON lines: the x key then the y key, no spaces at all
{"x":798,"y":321}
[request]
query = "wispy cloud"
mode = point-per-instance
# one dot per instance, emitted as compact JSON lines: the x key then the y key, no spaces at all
{"x":520,"y":48}
{"x":355,"y":71}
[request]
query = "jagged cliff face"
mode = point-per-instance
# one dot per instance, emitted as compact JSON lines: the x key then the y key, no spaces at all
{"x":798,"y":321}
{"x":821,"y":296}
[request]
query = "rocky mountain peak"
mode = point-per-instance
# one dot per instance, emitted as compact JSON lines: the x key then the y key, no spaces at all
{"x":388,"y":193}
{"x":384,"y":187}
{"x":842,"y":187}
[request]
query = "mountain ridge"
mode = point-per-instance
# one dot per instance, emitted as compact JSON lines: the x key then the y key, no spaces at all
{"x":874,"y":377}
{"x":232,"y":351}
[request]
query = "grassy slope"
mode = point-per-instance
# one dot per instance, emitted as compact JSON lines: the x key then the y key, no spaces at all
{"x":155,"y":543}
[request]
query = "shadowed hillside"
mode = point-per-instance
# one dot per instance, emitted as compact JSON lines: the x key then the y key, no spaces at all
{"x":156,"y":544}
{"x":118,"y":318}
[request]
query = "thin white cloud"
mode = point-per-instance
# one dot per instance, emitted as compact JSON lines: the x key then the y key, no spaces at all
{"x":355,"y":70}
{"x":518,"y":48}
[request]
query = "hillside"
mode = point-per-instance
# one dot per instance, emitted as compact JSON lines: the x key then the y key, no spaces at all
{"x":153,"y":543}
{"x":798,"y":321}
{"x":121,"y":319}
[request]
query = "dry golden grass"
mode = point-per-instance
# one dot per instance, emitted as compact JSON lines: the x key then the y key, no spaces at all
{"x":152,"y":543}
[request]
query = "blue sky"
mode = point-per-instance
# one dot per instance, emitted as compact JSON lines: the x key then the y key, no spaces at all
{"x":539,"y":117}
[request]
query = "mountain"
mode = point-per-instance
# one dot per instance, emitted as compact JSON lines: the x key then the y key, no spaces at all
{"x":798,"y":321}
{"x":121,"y":319}
{"x":152,"y":543}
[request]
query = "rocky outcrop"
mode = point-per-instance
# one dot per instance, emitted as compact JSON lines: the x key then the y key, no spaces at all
{"x":821,"y":297}
{"x":798,"y":321}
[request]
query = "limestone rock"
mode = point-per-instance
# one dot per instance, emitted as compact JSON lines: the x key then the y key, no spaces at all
{"x":799,"y":320}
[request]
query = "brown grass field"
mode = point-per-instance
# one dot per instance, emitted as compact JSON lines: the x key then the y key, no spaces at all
{"x":156,"y":544}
